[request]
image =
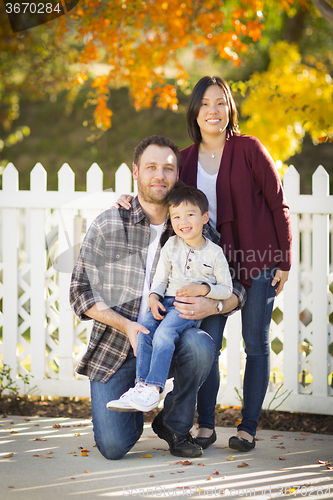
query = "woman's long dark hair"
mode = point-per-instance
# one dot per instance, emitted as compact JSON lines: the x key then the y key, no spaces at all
{"x":194,"y":105}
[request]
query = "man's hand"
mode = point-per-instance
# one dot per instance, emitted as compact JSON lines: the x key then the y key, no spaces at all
{"x":156,"y":306}
{"x":193,"y":290}
{"x":202,"y":306}
{"x":132,"y":329}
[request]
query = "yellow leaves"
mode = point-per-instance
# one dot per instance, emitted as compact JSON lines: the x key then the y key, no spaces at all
{"x":146,"y":456}
{"x":230,"y":458}
{"x":79,"y":79}
{"x":297,"y":95}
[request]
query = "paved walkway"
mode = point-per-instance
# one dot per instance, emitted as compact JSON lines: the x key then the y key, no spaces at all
{"x":41,"y":458}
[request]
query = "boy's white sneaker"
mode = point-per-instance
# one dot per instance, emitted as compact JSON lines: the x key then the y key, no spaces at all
{"x":124,"y":402}
{"x":146,"y":399}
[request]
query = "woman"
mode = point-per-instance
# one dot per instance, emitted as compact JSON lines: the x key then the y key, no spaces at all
{"x":248,"y":209}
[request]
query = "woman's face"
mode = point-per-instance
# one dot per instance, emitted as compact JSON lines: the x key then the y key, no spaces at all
{"x":213,"y":116}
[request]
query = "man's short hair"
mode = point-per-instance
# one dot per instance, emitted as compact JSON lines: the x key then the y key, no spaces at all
{"x":188,"y":194}
{"x":156,"y":140}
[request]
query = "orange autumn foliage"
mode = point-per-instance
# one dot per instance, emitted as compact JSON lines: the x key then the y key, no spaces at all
{"x":136,"y":40}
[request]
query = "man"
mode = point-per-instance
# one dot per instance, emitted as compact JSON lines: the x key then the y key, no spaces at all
{"x":110,"y":284}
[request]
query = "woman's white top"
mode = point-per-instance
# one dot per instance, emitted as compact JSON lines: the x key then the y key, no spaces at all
{"x":207,"y":184}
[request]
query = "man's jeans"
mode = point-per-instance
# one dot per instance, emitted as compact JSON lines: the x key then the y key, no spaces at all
{"x":256,"y":318}
{"x":155,"y":350}
{"x":117,"y":432}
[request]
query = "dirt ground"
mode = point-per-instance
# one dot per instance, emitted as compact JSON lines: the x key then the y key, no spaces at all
{"x":225,"y":416}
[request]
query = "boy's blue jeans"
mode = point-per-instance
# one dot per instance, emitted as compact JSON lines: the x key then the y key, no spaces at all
{"x":155,"y":350}
{"x":117,"y":432}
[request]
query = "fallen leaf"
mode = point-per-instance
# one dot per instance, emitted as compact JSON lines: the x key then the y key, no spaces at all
{"x":209,"y":478}
{"x":8,"y":429}
{"x":186,"y":462}
{"x":26,"y":419}
{"x":277,"y":435}
{"x":230,"y":457}
{"x":14,"y":432}
{"x":146,"y":456}
{"x":87,"y":472}
{"x":44,"y":456}
{"x":282,"y":447}
{"x":216,"y":473}
{"x":12,"y":422}
{"x":282,"y":458}
{"x":243,"y":464}
{"x":72,"y":477}
{"x":56,"y":426}
{"x":151,"y":475}
{"x":72,"y":453}
{"x":329,"y":468}
{"x":35,"y":455}
{"x":49,"y":452}
{"x":77,"y":435}
{"x":85,"y":449}
{"x":180,"y":471}
{"x":324,"y":462}
{"x":84,"y":454}
{"x":200,"y":463}
{"x":4,"y":416}
{"x":8,"y":455}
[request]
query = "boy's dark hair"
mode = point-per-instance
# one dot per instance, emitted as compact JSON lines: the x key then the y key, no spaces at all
{"x":195,"y":102}
{"x":188,"y":194}
{"x":157,"y":140}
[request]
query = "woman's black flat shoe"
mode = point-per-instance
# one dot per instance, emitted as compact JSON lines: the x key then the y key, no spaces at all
{"x":205,"y":442}
{"x":241,"y":444}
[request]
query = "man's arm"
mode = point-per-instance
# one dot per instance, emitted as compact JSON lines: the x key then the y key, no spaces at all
{"x":103,"y":314}
{"x":203,"y":307}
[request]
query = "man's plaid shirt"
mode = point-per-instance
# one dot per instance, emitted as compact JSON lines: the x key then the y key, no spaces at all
{"x":111,"y":269}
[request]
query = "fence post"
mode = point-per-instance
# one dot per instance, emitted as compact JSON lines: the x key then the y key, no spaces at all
{"x":291,"y":183}
{"x":37,"y":252}
{"x":320,"y":189}
{"x":123,"y":183}
{"x":10,"y":273}
{"x":66,"y":251}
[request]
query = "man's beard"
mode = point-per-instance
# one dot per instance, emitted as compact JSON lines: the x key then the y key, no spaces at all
{"x":149,"y":197}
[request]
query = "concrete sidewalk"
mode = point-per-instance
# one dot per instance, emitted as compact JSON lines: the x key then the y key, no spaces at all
{"x":40,"y":458}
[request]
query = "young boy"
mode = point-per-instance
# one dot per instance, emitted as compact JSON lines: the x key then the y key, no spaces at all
{"x":189,"y":265}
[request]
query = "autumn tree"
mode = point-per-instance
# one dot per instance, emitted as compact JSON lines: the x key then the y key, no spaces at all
{"x":140,"y":43}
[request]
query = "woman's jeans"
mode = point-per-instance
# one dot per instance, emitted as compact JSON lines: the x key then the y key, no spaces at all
{"x":155,"y":350}
{"x":117,"y":432}
{"x":256,"y":318}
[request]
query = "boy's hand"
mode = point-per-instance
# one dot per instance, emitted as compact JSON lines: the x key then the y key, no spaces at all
{"x":132,"y":329}
{"x":193,"y":291}
{"x":156,"y":306}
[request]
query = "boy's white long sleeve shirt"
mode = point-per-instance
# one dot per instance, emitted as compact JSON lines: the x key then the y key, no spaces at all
{"x":180,"y":265}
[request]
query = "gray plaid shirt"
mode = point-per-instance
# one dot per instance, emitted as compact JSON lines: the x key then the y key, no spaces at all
{"x":111,"y":268}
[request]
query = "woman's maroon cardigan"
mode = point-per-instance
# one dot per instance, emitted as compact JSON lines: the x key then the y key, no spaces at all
{"x":252,"y":214}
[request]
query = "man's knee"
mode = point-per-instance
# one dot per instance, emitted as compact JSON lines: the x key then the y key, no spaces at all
{"x":113,"y":448}
{"x":198,"y":346}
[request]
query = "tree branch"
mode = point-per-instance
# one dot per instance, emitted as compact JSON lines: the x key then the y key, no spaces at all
{"x":325,"y":9}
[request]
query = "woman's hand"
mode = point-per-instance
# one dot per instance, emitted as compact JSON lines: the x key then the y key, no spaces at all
{"x":123,"y":201}
{"x":280,"y":277}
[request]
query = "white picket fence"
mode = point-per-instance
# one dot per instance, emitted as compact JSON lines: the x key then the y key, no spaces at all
{"x":41,"y":233}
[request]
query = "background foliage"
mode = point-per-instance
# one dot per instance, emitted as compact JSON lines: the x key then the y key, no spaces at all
{"x":89,"y":86}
